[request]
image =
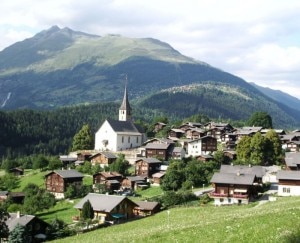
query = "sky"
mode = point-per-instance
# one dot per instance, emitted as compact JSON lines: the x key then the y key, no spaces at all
{"x":257,"y":40}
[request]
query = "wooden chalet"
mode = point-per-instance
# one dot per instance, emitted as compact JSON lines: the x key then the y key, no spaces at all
{"x":194,"y":133}
{"x":59,"y":180}
{"x":157,"y":177}
{"x":288,"y":183}
{"x":147,"y":166}
{"x":35,"y":228}
{"x":292,"y":160}
{"x":204,"y":145}
{"x":68,"y":160}
{"x":176,"y":133}
{"x":247,"y":131}
{"x":178,"y":153}
{"x":17,"y":171}
{"x":160,"y":151}
{"x":204,"y":157}
{"x":134,"y":182}
{"x":158,"y":126}
{"x":103,"y":158}
{"x":111,"y":180}
{"x":109,"y":207}
{"x":146,"y":208}
{"x":84,"y":155}
{"x":232,"y":188}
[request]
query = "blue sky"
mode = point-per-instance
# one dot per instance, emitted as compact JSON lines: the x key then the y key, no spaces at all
{"x":256,"y":40}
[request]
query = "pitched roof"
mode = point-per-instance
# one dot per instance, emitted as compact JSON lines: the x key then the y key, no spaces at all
{"x":147,"y":205}
{"x":233,"y":178}
{"x":150,"y":160}
{"x":125,"y":103}
{"x":157,"y":146}
{"x":68,"y":173}
{"x":17,"y":218}
{"x":288,"y":175}
{"x":125,"y":127}
{"x":256,"y":170}
{"x":158,"y":175}
{"x":101,"y":202}
{"x":200,"y":139}
{"x":292,"y":159}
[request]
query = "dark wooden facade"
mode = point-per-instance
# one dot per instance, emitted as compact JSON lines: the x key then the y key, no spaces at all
{"x":147,"y":167}
{"x":103,"y":159}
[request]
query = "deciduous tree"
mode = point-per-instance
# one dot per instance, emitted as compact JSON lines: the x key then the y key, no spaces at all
{"x":83,"y":139}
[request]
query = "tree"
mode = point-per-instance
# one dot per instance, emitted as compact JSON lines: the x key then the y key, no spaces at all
{"x":273,"y":148}
{"x":120,"y":165}
{"x":243,"y":149}
{"x":87,"y":211}
{"x":54,"y":163}
{"x":3,"y":226}
{"x":83,"y":139}
{"x":18,"y":234}
{"x":58,"y":229}
{"x":9,"y":182}
{"x":258,"y":149}
{"x":40,"y":162}
{"x":260,"y":119}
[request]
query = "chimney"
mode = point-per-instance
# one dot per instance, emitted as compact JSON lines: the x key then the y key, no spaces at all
{"x":18,"y":214}
{"x":238,"y":173}
{"x":250,"y":166}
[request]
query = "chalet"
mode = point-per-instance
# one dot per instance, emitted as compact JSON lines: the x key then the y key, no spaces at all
{"x":256,"y":170}
{"x":68,"y":160}
{"x":178,"y":153}
{"x":59,"y":180}
{"x":104,"y":158}
{"x":109,"y":207}
{"x":146,"y":167}
{"x":122,"y":134}
{"x":15,"y":197}
{"x":84,"y":155}
{"x":292,"y":160}
{"x":146,"y":208}
{"x":194,"y":133}
{"x":292,"y":146}
{"x":159,"y":150}
{"x":158,"y":126}
{"x":204,"y":145}
{"x":17,"y":171}
{"x":247,"y":131}
{"x":134,"y":182}
{"x":204,"y":157}
{"x":176,"y":133}
{"x":288,"y":183}
{"x":111,"y":180}
{"x":157,"y":177}
{"x":232,"y":188}
{"x":35,"y":228}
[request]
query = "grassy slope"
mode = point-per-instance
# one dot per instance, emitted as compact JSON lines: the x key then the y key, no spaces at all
{"x":270,"y":222}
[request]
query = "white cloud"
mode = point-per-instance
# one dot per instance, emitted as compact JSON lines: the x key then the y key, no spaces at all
{"x":256,"y":40}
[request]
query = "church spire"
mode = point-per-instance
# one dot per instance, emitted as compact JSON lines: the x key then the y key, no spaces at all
{"x":125,"y":109}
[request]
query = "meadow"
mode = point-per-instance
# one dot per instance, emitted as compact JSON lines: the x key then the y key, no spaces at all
{"x":277,"y":221}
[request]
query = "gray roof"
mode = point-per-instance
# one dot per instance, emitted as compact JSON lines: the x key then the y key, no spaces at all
{"x":125,"y":126}
{"x":256,"y":170}
{"x":288,"y":175}
{"x":158,"y":174}
{"x":202,"y":138}
{"x":125,"y":103}
{"x":292,"y":159}
{"x":3,"y":193}
{"x":101,"y":202}
{"x":233,"y":178}
{"x":136,"y":178}
{"x":150,"y":160}
{"x":147,"y":205}
{"x":177,"y":149}
{"x":14,"y":219}
{"x":157,"y":146}
{"x":68,"y":173}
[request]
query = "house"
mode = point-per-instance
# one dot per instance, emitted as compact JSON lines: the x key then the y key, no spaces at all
{"x":35,"y":228}
{"x":176,"y":133}
{"x":104,"y":158}
{"x":158,"y":126}
{"x":84,"y":155}
{"x":122,"y":134}
{"x":134,"y":182}
{"x":58,"y":181}
{"x":256,"y":170}
{"x":247,"y":131}
{"x":230,"y":154}
{"x":292,"y":160}
{"x":109,"y":207}
{"x":147,"y":166}
{"x":194,"y":133}
{"x":204,"y":145}
{"x":111,"y":180}
{"x":178,"y":153}
{"x":17,"y":171}
{"x":68,"y":160}
{"x":157,"y":177}
{"x":204,"y":157}
{"x":159,"y":150}
{"x":145,"y":208}
{"x":288,"y":183}
{"x":232,"y":188}
{"x":15,"y":197}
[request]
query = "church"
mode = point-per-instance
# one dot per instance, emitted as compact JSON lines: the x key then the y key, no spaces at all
{"x":122,"y":134}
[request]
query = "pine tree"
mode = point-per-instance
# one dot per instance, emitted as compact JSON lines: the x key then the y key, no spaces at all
{"x":83,"y":139}
{"x":87,"y":211}
{"x":18,"y":234}
{"x":3,"y":226}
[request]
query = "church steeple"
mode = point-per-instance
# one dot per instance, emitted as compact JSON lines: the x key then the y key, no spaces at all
{"x":125,"y":109}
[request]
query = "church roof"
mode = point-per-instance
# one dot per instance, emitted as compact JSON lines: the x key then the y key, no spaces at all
{"x":125,"y":103}
{"x":125,"y":126}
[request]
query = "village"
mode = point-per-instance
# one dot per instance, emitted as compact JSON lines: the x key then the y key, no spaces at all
{"x":149,"y":158}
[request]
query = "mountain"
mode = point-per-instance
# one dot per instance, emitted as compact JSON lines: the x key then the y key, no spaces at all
{"x":280,"y":96}
{"x":61,"y":67}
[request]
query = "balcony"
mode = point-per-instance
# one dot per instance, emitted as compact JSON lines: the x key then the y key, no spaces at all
{"x":240,"y":196}
{"x":215,"y":194}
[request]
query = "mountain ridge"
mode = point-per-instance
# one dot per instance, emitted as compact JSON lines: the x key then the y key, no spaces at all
{"x":61,"y":67}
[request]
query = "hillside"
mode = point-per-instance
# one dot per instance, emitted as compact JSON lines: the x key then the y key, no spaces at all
{"x":270,"y":222}
{"x":61,"y":67}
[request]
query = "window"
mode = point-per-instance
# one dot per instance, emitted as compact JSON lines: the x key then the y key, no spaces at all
{"x":137,"y":139}
{"x":122,"y":139}
{"x":286,"y":190}
{"x":128,"y":139}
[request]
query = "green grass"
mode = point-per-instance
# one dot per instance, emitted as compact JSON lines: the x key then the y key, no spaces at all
{"x":32,"y":176}
{"x":63,"y":210}
{"x":270,"y":222}
{"x":149,"y":193}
